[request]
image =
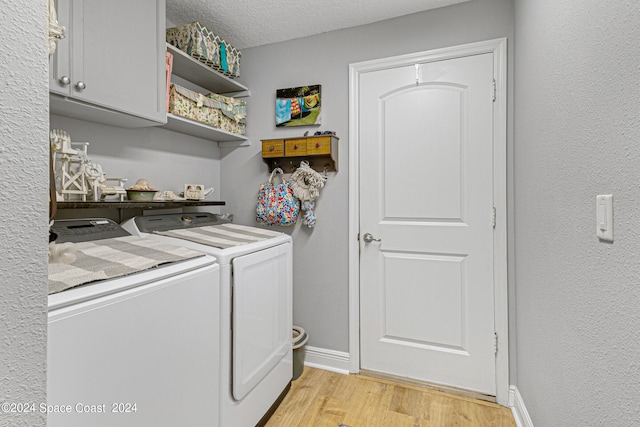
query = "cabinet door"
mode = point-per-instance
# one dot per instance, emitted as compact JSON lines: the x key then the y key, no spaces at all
{"x":118,"y":55}
{"x":59,"y":63}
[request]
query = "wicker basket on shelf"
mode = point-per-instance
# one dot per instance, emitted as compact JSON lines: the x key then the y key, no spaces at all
{"x":200,"y":43}
{"x":221,"y":112}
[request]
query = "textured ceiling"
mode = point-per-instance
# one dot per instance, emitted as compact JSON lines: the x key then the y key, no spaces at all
{"x":250,"y":23}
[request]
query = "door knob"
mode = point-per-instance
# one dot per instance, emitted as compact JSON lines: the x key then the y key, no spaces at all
{"x":80,"y":85}
{"x":65,"y":81}
{"x":368,"y":238}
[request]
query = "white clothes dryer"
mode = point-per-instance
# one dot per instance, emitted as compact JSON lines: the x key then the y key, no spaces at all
{"x":139,"y":350}
{"x":256,"y":307}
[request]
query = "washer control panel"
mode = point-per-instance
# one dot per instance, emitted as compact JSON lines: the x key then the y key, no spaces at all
{"x":166,"y":222}
{"x":82,"y":230}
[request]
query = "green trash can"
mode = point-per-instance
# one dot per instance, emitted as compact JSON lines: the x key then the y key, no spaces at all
{"x":299,"y":339}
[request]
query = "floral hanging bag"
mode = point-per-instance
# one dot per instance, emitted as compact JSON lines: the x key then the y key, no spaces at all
{"x":276,"y":203}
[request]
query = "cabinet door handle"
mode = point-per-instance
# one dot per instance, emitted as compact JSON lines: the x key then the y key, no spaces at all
{"x":317,"y":145}
{"x":81,"y":86}
{"x":295,"y":147}
{"x":272,"y":148}
{"x":65,"y":81}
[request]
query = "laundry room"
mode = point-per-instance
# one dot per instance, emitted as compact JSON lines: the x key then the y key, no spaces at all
{"x":312,"y":70}
{"x":172,"y":298}
{"x":169,"y":159}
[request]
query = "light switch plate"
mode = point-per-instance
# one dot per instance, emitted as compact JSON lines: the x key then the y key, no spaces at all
{"x":604,"y":217}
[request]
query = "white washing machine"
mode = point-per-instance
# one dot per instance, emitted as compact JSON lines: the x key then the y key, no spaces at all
{"x":140,"y":350}
{"x":256,"y":307}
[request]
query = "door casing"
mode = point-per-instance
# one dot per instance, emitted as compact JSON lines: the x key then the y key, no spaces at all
{"x":499,"y":49}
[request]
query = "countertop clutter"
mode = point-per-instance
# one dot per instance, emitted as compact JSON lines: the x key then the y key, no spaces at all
{"x":80,"y":182}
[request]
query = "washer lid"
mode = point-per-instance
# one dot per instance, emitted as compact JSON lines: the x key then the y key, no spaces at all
{"x":201,"y":265}
{"x":111,"y":258}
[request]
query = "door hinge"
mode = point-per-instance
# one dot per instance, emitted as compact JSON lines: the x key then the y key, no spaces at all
{"x":493,"y":217}
{"x":495,"y":90}
{"x":495,"y":343}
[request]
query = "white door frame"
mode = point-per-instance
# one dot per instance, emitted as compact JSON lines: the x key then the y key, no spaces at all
{"x":499,"y":49}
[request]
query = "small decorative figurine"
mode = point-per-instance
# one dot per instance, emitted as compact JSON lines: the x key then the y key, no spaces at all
{"x":76,"y":174}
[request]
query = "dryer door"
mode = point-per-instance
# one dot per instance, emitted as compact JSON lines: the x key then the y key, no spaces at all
{"x":262,"y":315}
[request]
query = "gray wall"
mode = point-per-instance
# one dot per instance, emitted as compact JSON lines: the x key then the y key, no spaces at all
{"x":24,"y":135}
{"x":577,"y":135}
{"x":321,"y":254}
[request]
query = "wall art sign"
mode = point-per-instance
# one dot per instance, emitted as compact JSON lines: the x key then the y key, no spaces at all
{"x":298,"y":106}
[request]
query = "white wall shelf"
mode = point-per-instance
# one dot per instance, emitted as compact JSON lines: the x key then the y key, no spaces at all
{"x":202,"y":130}
{"x":197,"y":72}
{"x":206,"y":77}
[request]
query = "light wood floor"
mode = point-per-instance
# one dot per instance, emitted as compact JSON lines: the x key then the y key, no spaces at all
{"x":321,"y":398}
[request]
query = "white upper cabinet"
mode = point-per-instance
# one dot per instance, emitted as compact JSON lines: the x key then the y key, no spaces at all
{"x":110,"y":67}
{"x":60,"y":62}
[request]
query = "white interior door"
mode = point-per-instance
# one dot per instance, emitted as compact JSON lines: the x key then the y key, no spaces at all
{"x":426,"y":192}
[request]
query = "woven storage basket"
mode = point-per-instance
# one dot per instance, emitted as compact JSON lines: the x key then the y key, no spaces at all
{"x":229,"y":59}
{"x":194,"y":40}
{"x":229,"y":63}
{"x":233,"y":60}
{"x":222,"y":112}
{"x":202,"y":44}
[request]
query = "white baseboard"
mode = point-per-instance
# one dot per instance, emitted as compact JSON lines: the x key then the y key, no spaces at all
{"x":329,"y":360}
{"x":518,"y":409}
